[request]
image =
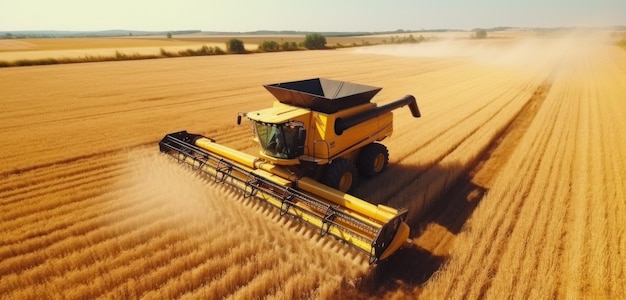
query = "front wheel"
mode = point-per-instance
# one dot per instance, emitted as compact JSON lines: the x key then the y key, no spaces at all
{"x":341,"y":175}
{"x":372,"y":160}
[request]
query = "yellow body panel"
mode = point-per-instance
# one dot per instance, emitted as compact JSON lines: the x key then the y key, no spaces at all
{"x":228,"y":153}
{"x":271,"y":177}
{"x":279,"y":113}
{"x":326,"y":144}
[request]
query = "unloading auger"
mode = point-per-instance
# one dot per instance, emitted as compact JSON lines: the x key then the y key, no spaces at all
{"x":314,"y":142}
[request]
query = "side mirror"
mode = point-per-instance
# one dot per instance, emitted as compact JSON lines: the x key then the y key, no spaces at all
{"x":239,"y":115}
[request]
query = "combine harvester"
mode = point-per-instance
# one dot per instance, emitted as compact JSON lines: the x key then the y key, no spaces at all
{"x":314,"y":141}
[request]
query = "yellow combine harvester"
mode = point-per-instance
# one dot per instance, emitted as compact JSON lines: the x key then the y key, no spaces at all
{"x":314,"y":142}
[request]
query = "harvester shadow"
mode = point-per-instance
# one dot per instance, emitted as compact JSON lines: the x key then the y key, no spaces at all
{"x":429,"y":195}
{"x":441,"y":216}
{"x":408,"y":268}
{"x":454,"y":207}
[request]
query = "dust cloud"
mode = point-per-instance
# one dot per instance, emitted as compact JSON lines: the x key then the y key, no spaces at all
{"x":510,"y":51}
{"x":163,"y":186}
{"x":168,"y":189}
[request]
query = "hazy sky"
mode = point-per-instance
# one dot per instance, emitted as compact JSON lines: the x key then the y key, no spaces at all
{"x":304,"y":15}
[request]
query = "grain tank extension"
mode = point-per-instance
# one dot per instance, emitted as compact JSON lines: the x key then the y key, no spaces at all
{"x":315,"y":142}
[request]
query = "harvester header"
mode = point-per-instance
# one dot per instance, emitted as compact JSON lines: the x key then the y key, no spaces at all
{"x":314,"y":142}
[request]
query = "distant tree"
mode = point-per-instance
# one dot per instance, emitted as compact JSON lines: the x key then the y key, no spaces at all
{"x":218,"y":50}
{"x":287,"y":46}
{"x":269,"y":46}
{"x":235,"y":46}
{"x":480,"y":33}
{"x":315,"y":41}
{"x":169,"y":35}
{"x":166,"y":53}
{"x":205,"y":50}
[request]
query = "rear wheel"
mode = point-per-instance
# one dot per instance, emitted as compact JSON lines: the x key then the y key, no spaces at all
{"x":372,"y":160}
{"x":341,"y":174}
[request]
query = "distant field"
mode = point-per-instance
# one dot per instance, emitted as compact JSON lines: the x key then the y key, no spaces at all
{"x":514,"y":176}
{"x":42,"y":48}
{"x":15,"y":49}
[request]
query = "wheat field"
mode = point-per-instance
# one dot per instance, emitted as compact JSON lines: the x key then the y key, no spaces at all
{"x":513,"y":177}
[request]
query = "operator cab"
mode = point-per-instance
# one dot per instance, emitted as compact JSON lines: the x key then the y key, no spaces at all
{"x":280,"y":131}
{"x":282,"y":141}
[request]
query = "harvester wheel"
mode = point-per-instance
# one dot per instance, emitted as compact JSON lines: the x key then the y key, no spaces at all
{"x":341,"y":174}
{"x":372,"y":160}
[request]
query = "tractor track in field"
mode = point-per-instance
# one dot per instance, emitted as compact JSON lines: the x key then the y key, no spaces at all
{"x":411,"y":267}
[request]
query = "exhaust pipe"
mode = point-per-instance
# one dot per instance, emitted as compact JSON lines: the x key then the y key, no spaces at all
{"x":341,"y":124}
